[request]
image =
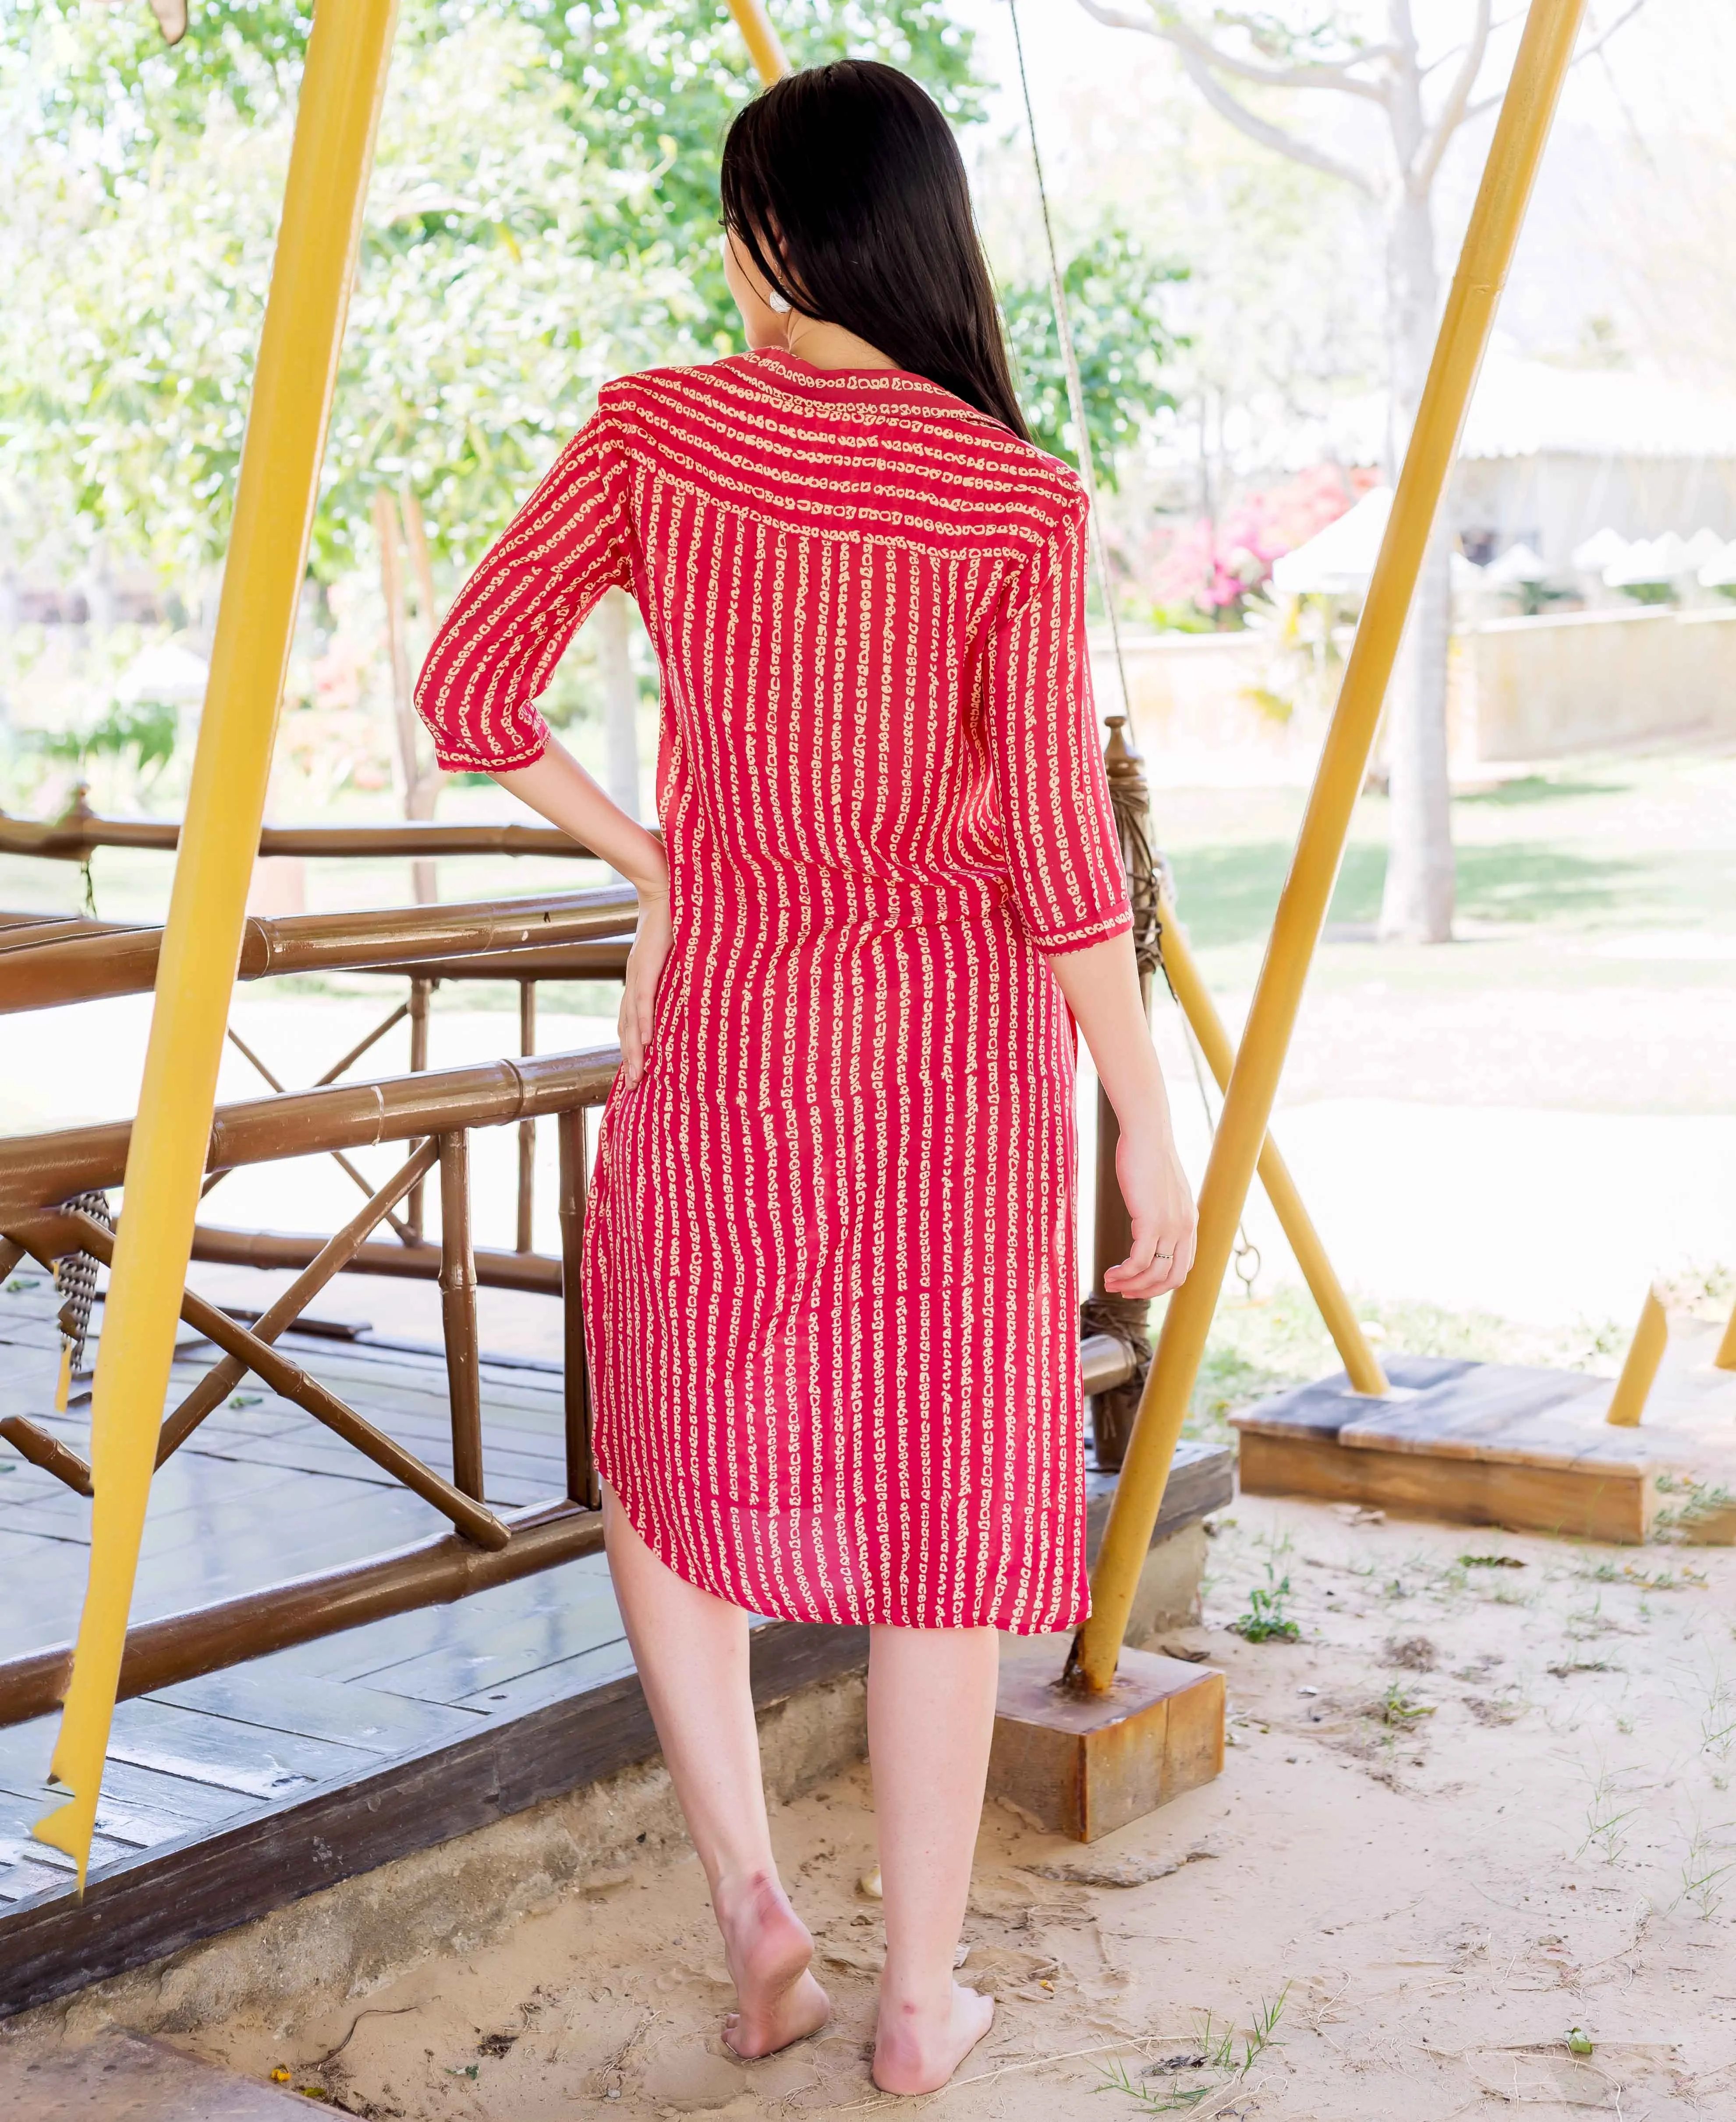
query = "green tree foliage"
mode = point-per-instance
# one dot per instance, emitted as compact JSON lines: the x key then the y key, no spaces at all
{"x":543,"y":214}
{"x":1115,"y":288}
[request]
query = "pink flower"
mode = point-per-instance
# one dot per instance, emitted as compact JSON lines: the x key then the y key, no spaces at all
{"x":1213,"y":567}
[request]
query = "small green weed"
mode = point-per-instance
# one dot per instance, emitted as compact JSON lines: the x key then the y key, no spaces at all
{"x":1399,"y":1707}
{"x":1716,"y":1703}
{"x":1648,"y":1580}
{"x":1700,"y":1500}
{"x":1490,"y":1562}
{"x":1607,"y":1816}
{"x":1218,"y":2053}
{"x":1266,"y":1620}
{"x":1703,"y":1874}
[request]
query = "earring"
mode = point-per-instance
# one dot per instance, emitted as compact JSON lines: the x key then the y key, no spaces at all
{"x":776,"y":302}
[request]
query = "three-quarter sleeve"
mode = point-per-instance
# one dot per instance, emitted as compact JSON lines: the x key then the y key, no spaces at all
{"x":1062,"y":847}
{"x":497,"y":647}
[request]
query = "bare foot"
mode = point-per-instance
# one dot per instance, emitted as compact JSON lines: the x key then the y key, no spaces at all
{"x":917,"y":2051}
{"x":769,"y":1950}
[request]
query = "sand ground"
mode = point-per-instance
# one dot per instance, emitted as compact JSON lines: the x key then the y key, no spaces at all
{"x":1478,"y":1804}
{"x":1473,"y":1808}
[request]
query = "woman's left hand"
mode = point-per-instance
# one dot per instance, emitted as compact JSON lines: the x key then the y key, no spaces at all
{"x":644,"y":963}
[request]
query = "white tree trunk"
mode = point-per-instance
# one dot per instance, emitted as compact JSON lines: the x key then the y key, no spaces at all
{"x":1417,"y":904}
{"x":620,"y":700}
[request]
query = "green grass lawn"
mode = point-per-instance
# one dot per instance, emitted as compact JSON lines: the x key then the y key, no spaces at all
{"x":1550,"y":867}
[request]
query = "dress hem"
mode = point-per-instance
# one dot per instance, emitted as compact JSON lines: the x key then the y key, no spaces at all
{"x":678,"y":1565}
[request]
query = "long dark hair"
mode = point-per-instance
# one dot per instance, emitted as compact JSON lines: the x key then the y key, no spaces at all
{"x":844,"y":185}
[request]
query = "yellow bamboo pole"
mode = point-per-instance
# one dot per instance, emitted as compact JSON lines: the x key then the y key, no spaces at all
{"x":347,"y":53}
{"x":1361,"y":1363}
{"x":1725,"y":1359}
{"x":1640,"y":1365}
{"x":761,"y":38}
{"x":1545,"y":51}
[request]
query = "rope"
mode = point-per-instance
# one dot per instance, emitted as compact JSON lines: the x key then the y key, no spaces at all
{"x":1246,"y":1251}
{"x":1128,"y":793}
{"x":75,"y":1277}
{"x":1076,"y":388}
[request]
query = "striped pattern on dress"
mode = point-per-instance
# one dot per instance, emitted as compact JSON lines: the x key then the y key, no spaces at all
{"x":830,"y":1280}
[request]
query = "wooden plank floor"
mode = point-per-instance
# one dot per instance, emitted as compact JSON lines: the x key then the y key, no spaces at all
{"x":231,"y":1794}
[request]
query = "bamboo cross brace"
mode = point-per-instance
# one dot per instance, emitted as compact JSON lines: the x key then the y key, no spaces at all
{"x":332,"y":1259}
{"x":293,"y":1383}
{"x":362,"y":1045}
{"x":357,"y":1178}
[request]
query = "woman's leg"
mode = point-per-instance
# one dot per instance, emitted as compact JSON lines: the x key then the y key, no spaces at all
{"x":930,"y":1717}
{"x":691,"y":1652}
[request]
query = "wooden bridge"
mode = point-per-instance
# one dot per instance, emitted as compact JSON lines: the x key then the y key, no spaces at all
{"x":230,"y":1793}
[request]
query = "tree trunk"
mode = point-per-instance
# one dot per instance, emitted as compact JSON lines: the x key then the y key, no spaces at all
{"x":1416,"y":906}
{"x":620,"y":700}
{"x":423,"y":882}
{"x":1417,"y":902}
{"x":424,"y":797}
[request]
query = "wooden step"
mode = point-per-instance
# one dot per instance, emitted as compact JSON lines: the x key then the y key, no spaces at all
{"x":1473,"y":1443}
{"x":120,"y":2078}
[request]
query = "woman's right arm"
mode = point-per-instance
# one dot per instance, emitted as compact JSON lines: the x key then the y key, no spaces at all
{"x":560,"y":789}
{"x":1066,"y":869}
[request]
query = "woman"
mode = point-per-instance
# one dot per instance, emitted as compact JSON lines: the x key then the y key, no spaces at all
{"x":829,"y":1278}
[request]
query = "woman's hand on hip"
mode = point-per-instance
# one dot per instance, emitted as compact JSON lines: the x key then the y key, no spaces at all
{"x":1160,"y":1207}
{"x":644,"y":963}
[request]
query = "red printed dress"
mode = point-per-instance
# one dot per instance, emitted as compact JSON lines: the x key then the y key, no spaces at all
{"x":830,"y":1277}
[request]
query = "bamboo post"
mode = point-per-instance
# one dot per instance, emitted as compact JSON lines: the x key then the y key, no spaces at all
{"x":761,"y":40}
{"x":1545,"y":51}
{"x":526,"y":1129}
{"x":458,"y":1313}
{"x":1725,"y":1359}
{"x":415,"y":1204}
{"x":581,"y":1473}
{"x":1361,"y":1363}
{"x":1640,"y":1365}
{"x":349,"y":50}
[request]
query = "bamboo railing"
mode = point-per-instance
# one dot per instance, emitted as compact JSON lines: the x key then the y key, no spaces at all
{"x":434,"y":1112}
{"x":42,"y":967}
{"x":78,"y":833}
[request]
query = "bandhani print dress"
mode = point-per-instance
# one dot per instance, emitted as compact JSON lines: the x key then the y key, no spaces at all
{"x":830,"y":1278}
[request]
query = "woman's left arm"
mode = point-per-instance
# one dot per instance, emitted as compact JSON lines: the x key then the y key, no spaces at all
{"x":496,"y":651}
{"x":558,"y":787}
